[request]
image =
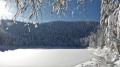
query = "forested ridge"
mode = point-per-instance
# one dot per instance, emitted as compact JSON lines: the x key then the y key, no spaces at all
{"x":54,"y":33}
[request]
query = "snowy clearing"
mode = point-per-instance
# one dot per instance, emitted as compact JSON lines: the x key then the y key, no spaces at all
{"x":45,"y":57}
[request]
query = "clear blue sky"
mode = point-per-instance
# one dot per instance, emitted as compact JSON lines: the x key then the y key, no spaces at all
{"x":93,"y":9}
{"x":93,"y":12}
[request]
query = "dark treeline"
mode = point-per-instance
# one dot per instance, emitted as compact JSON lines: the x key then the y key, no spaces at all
{"x":53,"y":34}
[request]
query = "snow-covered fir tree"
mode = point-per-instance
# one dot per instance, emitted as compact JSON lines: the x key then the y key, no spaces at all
{"x":110,"y":26}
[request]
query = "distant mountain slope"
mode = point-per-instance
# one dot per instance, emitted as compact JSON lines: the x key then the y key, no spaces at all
{"x":55,"y":34}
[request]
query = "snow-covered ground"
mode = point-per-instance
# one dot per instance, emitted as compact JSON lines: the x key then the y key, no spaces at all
{"x":45,"y":57}
{"x":99,"y":59}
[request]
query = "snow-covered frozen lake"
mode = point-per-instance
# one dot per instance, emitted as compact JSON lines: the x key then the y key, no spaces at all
{"x":44,"y":57}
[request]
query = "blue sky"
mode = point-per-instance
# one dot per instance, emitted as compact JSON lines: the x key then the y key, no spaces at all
{"x":93,"y":9}
{"x":93,"y":12}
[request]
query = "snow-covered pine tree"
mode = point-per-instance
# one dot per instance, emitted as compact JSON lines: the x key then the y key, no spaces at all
{"x":110,"y":25}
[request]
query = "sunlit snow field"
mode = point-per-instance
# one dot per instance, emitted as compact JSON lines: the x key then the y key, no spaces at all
{"x":45,"y":57}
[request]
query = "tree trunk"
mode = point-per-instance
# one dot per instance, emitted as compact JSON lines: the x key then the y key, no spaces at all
{"x":118,"y":48}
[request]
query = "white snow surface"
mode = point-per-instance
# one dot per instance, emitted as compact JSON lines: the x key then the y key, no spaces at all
{"x":90,"y":63}
{"x":44,"y":57}
{"x":99,"y":54}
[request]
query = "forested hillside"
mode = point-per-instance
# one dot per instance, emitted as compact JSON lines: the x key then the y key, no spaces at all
{"x":54,"y":34}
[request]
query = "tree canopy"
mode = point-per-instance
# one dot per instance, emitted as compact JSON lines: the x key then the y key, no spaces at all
{"x":35,"y":7}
